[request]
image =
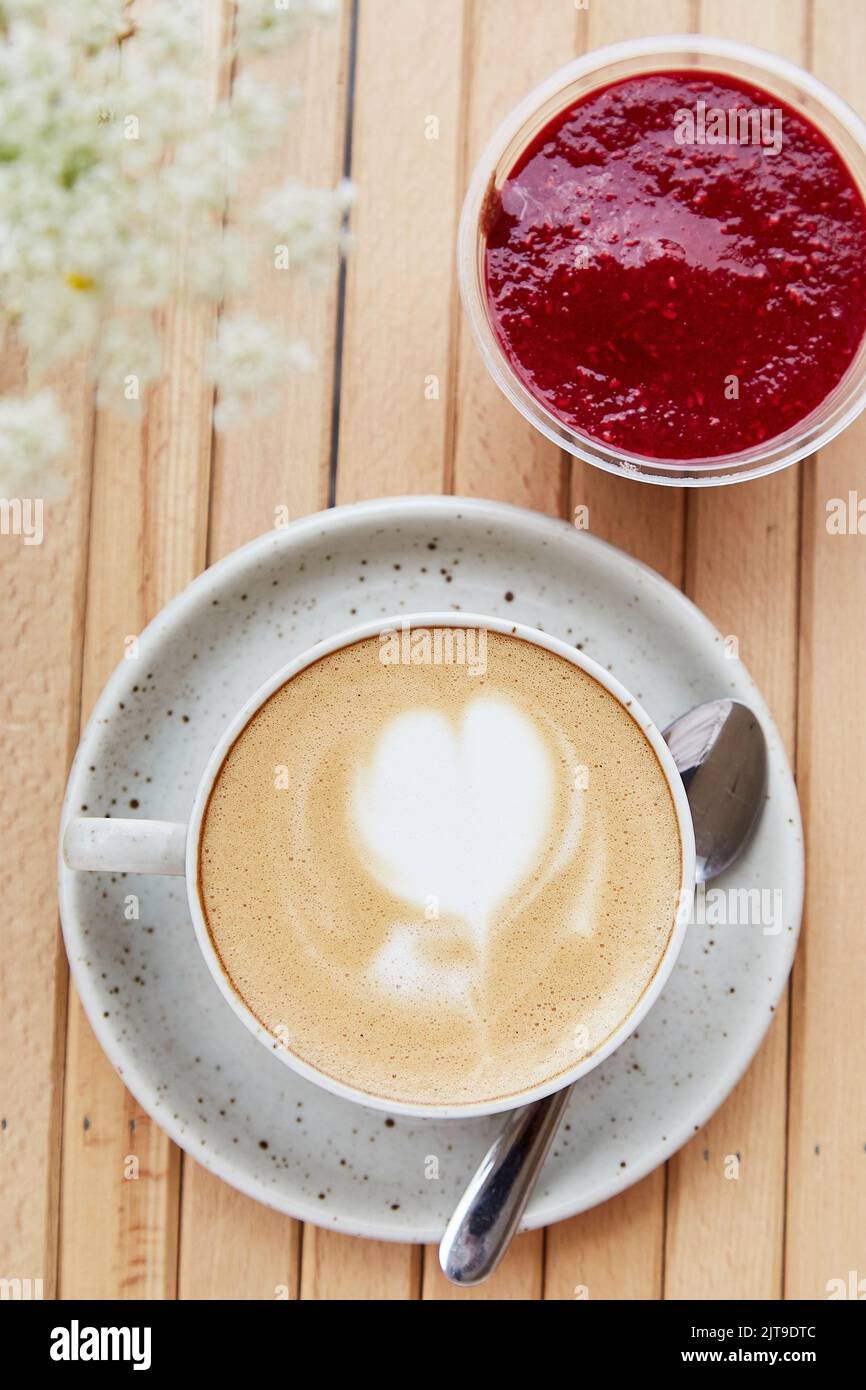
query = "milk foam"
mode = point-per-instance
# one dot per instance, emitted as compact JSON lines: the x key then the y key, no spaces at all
{"x":439,"y":910}
{"x":401,"y":967}
{"x":454,"y":812}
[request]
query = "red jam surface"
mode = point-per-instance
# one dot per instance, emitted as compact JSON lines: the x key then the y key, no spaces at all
{"x":677,"y":300}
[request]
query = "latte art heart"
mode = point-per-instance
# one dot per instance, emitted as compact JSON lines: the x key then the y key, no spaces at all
{"x":454,"y":810}
{"x":459,"y":886}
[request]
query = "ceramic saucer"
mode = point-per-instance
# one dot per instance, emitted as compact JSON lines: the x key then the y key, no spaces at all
{"x":158,"y":1014}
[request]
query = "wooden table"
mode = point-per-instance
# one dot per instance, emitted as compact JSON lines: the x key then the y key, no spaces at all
{"x":404,"y":93}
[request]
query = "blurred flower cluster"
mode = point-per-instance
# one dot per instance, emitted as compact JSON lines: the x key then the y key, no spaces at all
{"x":117,"y":163}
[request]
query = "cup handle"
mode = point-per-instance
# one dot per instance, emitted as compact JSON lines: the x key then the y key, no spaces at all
{"x":106,"y":845}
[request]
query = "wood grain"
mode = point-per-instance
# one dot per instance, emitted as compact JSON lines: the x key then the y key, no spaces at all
{"x":394,"y":429}
{"x":282,"y":459}
{"x":231,"y":1246}
{"x":724,"y":1236}
{"x":337,"y":1267}
{"x":613,"y":1251}
{"x":119,"y":1237}
{"x":40,"y":653}
{"x":826,"y":1228}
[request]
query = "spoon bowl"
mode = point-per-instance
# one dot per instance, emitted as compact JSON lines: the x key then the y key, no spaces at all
{"x":721,"y":754}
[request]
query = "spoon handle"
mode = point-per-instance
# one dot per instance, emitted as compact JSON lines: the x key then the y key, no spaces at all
{"x":490,"y":1209}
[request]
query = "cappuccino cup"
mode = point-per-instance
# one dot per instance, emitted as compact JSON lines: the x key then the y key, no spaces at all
{"x":437,"y":864}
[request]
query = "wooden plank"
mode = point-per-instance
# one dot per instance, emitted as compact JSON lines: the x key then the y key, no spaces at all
{"x":394,"y":427}
{"x":611,"y":1252}
{"x":40,"y":652}
{"x":149,"y":521}
{"x":724,"y":1237}
{"x":231,"y":1246}
{"x":827,"y":1134}
{"x":392,"y":439}
{"x":337,"y":1268}
{"x":497,"y":453}
{"x":615,"y":1251}
{"x":282,"y":459}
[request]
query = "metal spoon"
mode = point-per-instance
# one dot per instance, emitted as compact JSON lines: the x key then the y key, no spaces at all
{"x":721,"y":755}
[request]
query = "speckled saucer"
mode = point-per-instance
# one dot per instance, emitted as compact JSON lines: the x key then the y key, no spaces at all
{"x":161,"y":1018}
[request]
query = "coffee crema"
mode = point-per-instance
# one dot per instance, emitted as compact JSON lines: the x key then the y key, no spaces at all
{"x":439,"y":883}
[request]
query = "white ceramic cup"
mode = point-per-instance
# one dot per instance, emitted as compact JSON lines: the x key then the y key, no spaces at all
{"x":113,"y":845}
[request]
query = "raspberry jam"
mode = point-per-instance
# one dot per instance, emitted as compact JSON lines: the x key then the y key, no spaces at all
{"x":667,"y":295}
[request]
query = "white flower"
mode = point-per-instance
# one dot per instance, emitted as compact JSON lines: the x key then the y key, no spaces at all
{"x":308,"y":221}
{"x":263,"y":25}
{"x":248,"y":358}
{"x":253,"y":119}
{"x":128,"y":359}
{"x":116,"y":168}
{"x":57,"y":321}
{"x":33,"y":437}
{"x":170,"y":35}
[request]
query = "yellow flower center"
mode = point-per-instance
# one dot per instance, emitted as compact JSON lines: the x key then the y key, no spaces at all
{"x":79,"y":282}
